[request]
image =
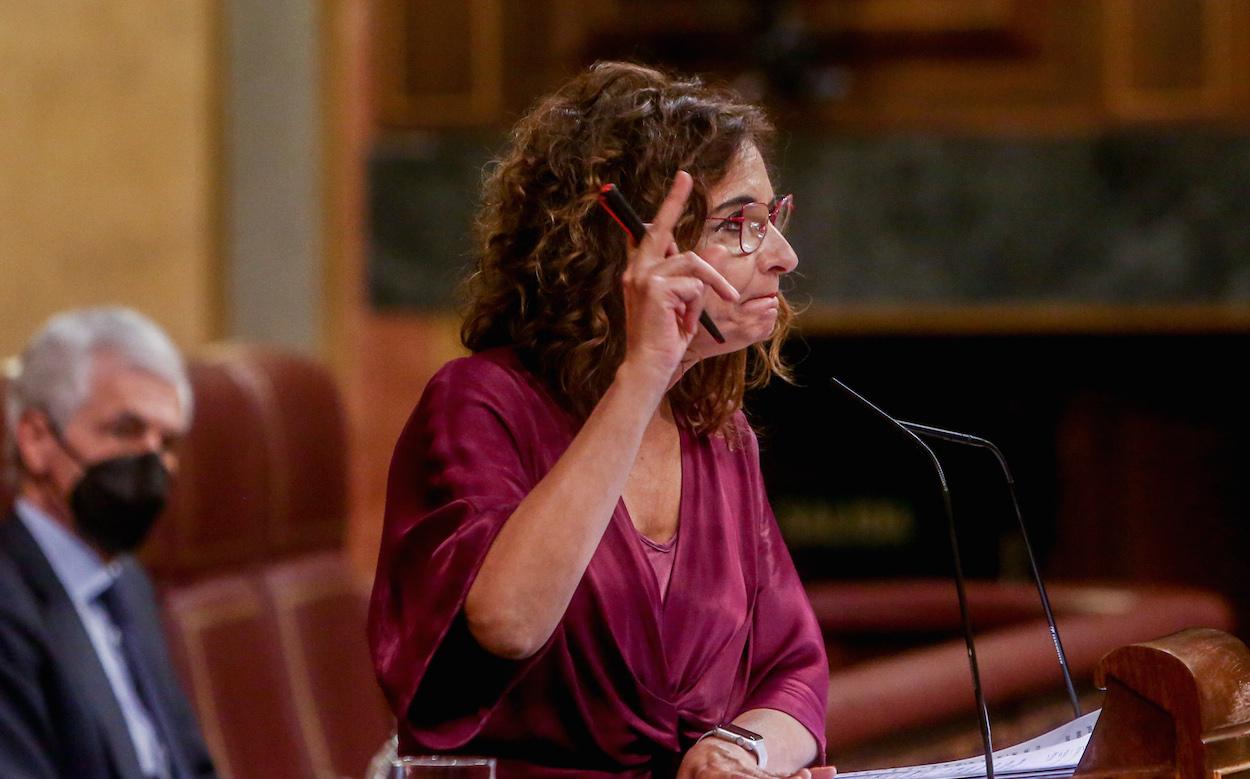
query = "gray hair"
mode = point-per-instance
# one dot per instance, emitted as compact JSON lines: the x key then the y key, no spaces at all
{"x":54,"y":371}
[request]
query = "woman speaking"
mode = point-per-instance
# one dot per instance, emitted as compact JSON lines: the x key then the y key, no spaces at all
{"x":580,"y":574}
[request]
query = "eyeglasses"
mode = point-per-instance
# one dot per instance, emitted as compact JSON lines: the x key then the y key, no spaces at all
{"x":745,"y":229}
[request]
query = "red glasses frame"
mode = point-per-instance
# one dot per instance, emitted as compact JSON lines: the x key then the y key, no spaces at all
{"x":781,"y":207}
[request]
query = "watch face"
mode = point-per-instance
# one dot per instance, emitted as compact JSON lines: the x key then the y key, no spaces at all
{"x":749,"y":735}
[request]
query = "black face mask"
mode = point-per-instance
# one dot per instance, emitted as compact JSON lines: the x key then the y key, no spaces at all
{"x":116,"y":501}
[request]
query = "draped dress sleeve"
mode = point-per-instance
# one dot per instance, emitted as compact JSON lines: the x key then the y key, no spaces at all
{"x":460,"y":468}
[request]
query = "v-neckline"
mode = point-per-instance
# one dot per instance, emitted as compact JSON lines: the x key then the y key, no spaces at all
{"x":656,"y":617}
{"x":681,"y":485}
{"x":658,"y":599}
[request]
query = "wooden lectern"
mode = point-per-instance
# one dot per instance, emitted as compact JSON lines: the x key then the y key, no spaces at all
{"x":1177,"y":707}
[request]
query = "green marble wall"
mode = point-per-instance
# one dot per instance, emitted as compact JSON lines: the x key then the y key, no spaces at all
{"x":1119,"y":219}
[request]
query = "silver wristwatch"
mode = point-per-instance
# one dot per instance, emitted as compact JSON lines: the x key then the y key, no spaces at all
{"x":748,"y":740}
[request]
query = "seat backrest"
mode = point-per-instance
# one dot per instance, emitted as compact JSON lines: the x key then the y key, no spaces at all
{"x":222,"y":635}
{"x":223,"y":495}
{"x":260,"y":510}
{"x":306,"y":437}
{"x":320,"y":612}
{"x":263,"y":468}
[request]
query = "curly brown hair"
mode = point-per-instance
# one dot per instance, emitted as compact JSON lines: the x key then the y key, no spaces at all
{"x":548,"y":276}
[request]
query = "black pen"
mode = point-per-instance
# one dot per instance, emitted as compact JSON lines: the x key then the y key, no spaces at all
{"x":624,"y":215}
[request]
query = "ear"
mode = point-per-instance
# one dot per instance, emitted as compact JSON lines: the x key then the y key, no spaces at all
{"x":35,"y":442}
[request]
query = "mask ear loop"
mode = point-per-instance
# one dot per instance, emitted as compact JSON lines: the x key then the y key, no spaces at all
{"x":59,"y":436}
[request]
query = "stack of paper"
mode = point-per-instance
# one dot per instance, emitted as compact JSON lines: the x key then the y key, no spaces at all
{"x":1053,"y":754}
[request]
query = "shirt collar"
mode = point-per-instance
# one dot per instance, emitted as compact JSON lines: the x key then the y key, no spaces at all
{"x":82,"y":572}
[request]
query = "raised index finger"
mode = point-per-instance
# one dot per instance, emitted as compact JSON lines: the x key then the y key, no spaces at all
{"x":661,"y":229}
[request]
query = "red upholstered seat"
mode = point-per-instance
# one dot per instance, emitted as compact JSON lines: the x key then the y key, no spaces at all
{"x":320,"y":608}
{"x":222,"y":501}
{"x":223,"y":637}
{"x":306,"y":440}
{"x":261,"y":510}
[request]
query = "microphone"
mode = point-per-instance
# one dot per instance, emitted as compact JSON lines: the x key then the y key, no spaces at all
{"x":966,"y":439}
{"x":960,"y":587}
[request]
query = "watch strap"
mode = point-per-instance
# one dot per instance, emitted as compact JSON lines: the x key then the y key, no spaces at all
{"x":751,"y":742}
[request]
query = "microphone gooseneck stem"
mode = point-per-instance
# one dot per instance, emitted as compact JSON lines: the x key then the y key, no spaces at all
{"x":965,"y":618}
{"x":960,"y":588}
{"x":985,"y":443}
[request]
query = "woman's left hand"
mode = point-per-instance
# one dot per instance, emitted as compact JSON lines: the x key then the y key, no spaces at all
{"x":715,"y":759}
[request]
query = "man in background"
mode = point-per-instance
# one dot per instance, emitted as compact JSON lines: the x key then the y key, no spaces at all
{"x":99,"y":402}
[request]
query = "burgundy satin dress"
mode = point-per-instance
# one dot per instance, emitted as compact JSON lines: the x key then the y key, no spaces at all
{"x":629,"y":679}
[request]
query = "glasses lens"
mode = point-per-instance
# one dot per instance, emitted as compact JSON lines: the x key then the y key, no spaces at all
{"x":754,"y":226}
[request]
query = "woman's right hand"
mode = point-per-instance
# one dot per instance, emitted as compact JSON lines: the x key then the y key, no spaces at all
{"x":663,"y":291}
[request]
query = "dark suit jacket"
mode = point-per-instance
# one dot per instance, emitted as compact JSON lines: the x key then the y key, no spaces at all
{"x":59,"y":718}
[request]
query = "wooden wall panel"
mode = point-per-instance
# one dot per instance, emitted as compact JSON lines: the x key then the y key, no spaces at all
{"x":107,"y":185}
{"x":1176,"y":60}
{"x":438,"y":64}
{"x":1006,"y":67}
{"x":980,"y":66}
